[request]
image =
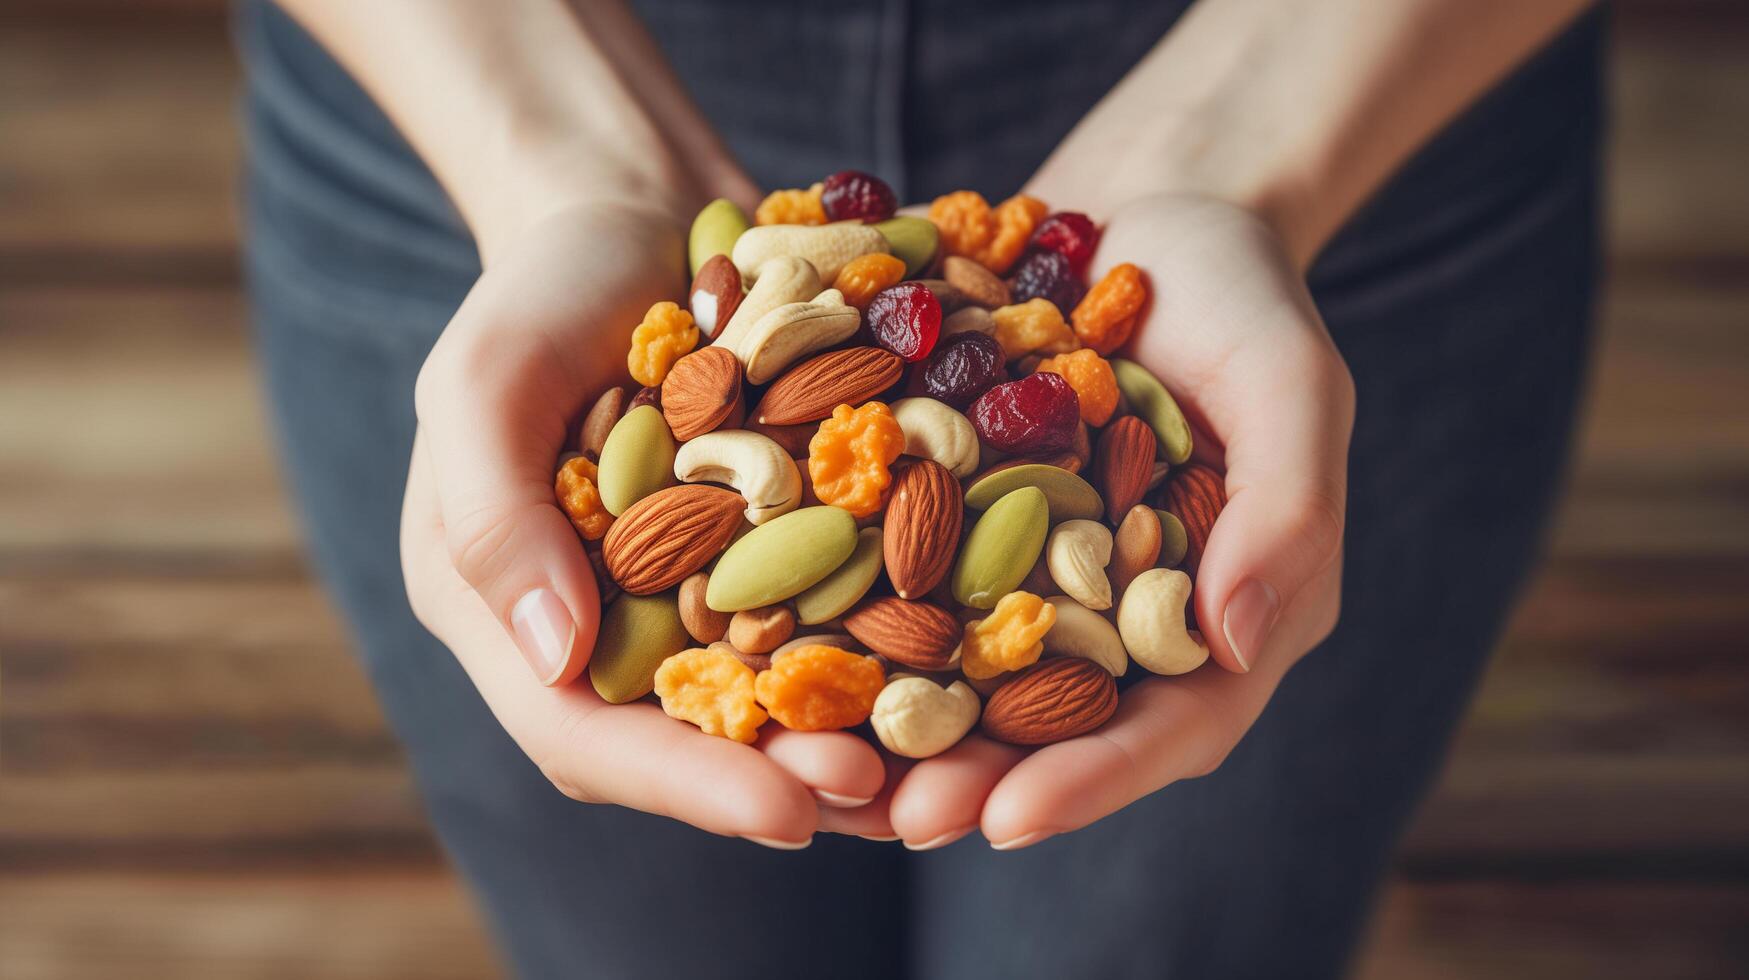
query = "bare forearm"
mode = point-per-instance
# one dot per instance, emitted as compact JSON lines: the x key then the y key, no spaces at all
{"x":1298,"y":109}
{"x":520,"y":107}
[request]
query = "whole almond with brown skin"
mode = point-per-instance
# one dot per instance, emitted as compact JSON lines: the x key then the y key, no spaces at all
{"x":1195,"y":495}
{"x":1135,"y":548}
{"x":980,"y":285}
{"x":809,"y":391}
{"x":1124,"y":462}
{"x":916,"y":634}
{"x":1052,"y":700}
{"x":793,"y":438}
{"x":599,"y":422}
{"x":922,"y":529}
{"x":701,"y":391}
{"x":715,"y":294}
{"x":670,"y":534}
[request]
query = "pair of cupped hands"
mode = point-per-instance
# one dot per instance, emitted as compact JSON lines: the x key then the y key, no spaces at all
{"x":496,"y":572}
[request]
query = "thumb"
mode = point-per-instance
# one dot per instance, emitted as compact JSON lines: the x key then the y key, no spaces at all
{"x":492,"y":436}
{"x":1286,"y":484}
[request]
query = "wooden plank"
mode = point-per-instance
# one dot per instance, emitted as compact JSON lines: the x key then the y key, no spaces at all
{"x":1570,"y":930}
{"x":241,"y":927}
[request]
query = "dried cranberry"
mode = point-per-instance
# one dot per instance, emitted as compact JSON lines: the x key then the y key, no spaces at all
{"x":1070,"y":234}
{"x":904,"y":319}
{"x":1047,"y":274}
{"x":853,"y":194}
{"x":962,"y":367}
{"x":1037,"y":414}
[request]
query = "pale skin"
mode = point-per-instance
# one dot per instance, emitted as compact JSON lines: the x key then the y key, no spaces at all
{"x":1222,"y":163}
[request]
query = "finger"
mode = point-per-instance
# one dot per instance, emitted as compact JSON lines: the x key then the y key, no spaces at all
{"x":940,"y":799}
{"x":1286,"y":454}
{"x":495,"y":400}
{"x":874,"y":819}
{"x":842,"y":770}
{"x":632,"y":754}
{"x":1165,"y":729}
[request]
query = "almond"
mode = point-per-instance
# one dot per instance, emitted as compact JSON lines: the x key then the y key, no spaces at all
{"x":922,"y":529}
{"x":715,"y":293}
{"x":670,"y":534}
{"x":979,"y":285}
{"x":1052,"y":700}
{"x":599,"y":422}
{"x":701,"y":391}
{"x":1195,"y":495}
{"x":793,"y":438}
{"x":1124,"y":464}
{"x":809,"y":391}
{"x":916,"y":634}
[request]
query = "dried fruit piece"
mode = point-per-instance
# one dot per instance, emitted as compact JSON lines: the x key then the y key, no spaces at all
{"x":1055,"y":700}
{"x":713,"y":690}
{"x":864,"y":276}
{"x":1037,"y":414}
{"x":853,"y":195}
{"x":1195,"y":495}
{"x":1010,"y":638}
{"x":905,"y":319}
{"x":1091,"y":377}
{"x":1106,"y":317}
{"x":1033,"y":325}
{"x":1047,"y":275}
{"x":965,"y":220}
{"x":792,"y":207}
{"x":581,"y":500}
{"x":666,"y":334}
{"x":816,"y":688}
{"x":1070,"y":234}
{"x":849,"y":456}
{"x":962,"y":367}
{"x":1015,"y":219}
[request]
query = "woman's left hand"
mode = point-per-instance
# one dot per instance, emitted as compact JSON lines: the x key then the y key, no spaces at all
{"x":1233,"y":333}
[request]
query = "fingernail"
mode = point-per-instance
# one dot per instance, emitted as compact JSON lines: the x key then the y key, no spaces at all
{"x":841,"y":801}
{"x":1024,"y":840}
{"x":878,"y":839}
{"x":778,"y":845}
{"x":942,"y":841}
{"x":1250,"y":615}
{"x":544,"y":632}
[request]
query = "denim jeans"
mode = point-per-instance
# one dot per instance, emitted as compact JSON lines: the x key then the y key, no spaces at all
{"x":1461,"y":297}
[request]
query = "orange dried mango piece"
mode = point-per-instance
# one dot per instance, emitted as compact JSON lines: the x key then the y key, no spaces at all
{"x":1093,"y":380}
{"x":1015,"y":219}
{"x":792,"y":207}
{"x":1035,"y":325}
{"x":864,"y":276}
{"x":575,"y":486}
{"x":666,"y":335}
{"x":817,"y":688}
{"x":713,"y":690}
{"x":850,"y":455}
{"x":1106,"y":316}
{"x":1010,"y":638}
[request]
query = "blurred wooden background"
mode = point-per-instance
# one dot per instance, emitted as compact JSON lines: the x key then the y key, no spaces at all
{"x":195,"y":783}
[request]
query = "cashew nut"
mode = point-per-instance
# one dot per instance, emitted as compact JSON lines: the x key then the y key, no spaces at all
{"x":1151,"y":621}
{"x":915,"y":717}
{"x":933,"y":430}
{"x":793,"y":331}
{"x":1077,"y":553}
{"x":782,"y":281}
{"x":827,"y":247}
{"x":756,"y":467}
{"x":1081,"y":632}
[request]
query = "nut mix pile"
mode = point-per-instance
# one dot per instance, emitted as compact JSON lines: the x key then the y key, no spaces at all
{"x":886,"y":469}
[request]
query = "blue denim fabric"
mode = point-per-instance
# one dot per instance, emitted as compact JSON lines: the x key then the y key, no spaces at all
{"x":1461,"y":297}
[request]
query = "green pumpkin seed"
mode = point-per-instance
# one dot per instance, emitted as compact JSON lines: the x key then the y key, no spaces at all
{"x":1069,"y":496}
{"x":837,"y":592}
{"x":1153,"y":404}
{"x":1002,"y":548}
{"x":912,"y":239}
{"x":714,"y":231}
{"x":637,"y":633}
{"x":1174,"y":540}
{"x":781,"y":558}
{"x":636,"y":460}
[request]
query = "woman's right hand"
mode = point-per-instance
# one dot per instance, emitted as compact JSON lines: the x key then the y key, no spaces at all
{"x":496,"y":572}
